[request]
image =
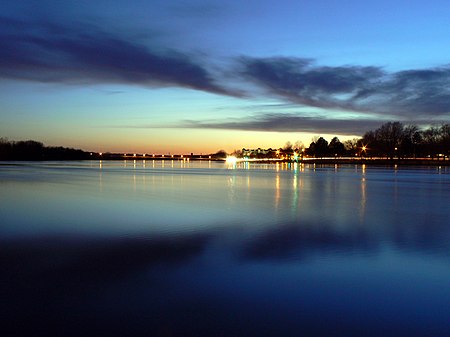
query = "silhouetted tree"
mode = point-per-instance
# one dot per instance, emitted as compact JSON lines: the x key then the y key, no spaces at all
{"x":384,"y":141}
{"x":318,"y":148}
{"x":389,"y":135}
{"x":237,"y":153}
{"x":311,"y":150}
{"x":287,"y":147}
{"x":32,"y":150}
{"x":351,"y":146}
{"x":221,"y":154}
{"x":299,"y":146}
{"x":410,"y":140}
{"x":431,"y":140}
{"x":335,"y":147}
{"x":445,"y":138}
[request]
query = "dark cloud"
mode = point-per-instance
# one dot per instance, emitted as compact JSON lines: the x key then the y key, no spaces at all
{"x":290,"y":123}
{"x":48,"y":52}
{"x":355,"y":88}
{"x":45,"y":50}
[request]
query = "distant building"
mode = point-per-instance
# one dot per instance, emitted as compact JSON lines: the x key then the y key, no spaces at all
{"x":259,"y":153}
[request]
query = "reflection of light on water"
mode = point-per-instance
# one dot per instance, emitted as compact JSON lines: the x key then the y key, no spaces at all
{"x":362,"y":209}
{"x":295,"y":194}
{"x":231,"y":160}
{"x":231,"y":188}
{"x":100,"y":177}
{"x":277,"y":191}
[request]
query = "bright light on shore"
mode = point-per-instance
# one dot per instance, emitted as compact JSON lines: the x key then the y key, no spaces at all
{"x":231,"y":160}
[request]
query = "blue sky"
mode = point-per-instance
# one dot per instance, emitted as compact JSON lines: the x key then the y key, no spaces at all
{"x":198,"y":76}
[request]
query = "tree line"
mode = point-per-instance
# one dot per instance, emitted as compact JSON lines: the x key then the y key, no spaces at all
{"x":32,"y":150}
{"x":390,"y":140}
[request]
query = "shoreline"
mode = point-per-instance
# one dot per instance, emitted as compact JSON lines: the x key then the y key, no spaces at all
{"x":319,"y":161}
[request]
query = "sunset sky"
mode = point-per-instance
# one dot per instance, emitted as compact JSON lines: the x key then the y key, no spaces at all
{"x":199,"y":76}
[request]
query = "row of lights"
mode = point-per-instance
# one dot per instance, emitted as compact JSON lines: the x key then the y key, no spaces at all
{"x":153,"y":155}
{"x":363,"y":148}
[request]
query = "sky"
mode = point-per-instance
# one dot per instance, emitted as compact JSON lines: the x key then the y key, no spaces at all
{"x":200,"y":76}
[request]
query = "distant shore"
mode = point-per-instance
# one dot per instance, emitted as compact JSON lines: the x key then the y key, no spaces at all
{"x":316,"y":161}
{"x":325,"y":161}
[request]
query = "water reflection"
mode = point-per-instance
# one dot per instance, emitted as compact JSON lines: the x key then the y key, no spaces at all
{"x":277,"y":189}
{"x":362,"y":207}
{"x":197,"y":249}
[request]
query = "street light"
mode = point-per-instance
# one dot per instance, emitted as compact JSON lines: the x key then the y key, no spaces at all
{"x":363,"y":149}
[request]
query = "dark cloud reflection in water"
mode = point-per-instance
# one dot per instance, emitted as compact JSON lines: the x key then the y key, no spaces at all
{"x":218,"y":252}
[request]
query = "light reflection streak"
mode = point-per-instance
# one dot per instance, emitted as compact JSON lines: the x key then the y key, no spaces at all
{"x":277,"y":191}
{"x":100,"y":176}
{"x":231,"y":182}
{"x":294,"y":206}
{"x":362,"y":209}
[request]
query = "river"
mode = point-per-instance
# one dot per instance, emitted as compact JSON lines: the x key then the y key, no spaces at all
{"x":190,"y":248}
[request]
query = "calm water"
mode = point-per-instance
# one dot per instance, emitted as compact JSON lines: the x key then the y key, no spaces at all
{"x":203,"y":249}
